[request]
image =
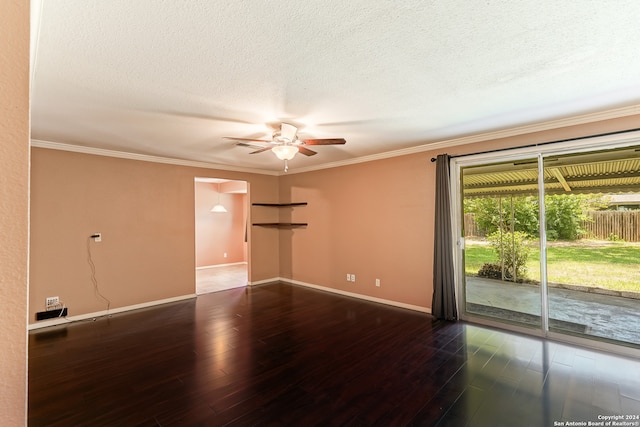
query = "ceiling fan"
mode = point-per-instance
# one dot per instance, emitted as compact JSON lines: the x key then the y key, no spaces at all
{"x":285,"y":143}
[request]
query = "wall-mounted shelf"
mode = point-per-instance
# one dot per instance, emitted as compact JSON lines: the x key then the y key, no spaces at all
{"x":280,"y":224}
{"x":280,"y":205}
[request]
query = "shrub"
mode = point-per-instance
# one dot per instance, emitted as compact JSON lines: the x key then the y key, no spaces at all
{"x":564,"y":214}
{"x":512,"y":250}
{"x":552,"y":235}
{"x":491,"y":271}
{"x":614,"y":238}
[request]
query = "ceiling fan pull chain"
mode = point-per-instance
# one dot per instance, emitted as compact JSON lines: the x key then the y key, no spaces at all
{"x":286,"y":165}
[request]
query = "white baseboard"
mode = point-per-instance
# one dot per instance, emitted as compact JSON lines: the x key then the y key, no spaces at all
{"x":221,"y":265}
{"x":265,"y":282}
{"x":87,"y":316}
{"x":344,"y":293}
{"x":70,"y":319}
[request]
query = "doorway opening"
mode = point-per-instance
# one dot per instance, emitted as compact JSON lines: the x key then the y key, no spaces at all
{"x":221,"y":234}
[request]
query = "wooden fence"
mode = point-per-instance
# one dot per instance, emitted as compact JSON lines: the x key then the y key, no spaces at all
{"x":622,"y":225}
{"x":471,"y":226}
{"x":602,"y":225}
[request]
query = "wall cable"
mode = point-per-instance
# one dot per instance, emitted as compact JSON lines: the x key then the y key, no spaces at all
{"x":94,"y":280}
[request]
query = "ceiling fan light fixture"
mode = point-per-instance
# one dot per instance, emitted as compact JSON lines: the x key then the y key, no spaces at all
{"x":285,"y":152}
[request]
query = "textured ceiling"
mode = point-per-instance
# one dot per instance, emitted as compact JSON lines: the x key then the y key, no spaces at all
{"x":172,"y":78}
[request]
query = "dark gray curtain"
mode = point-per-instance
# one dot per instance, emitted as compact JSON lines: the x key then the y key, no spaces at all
{"x":443,"y":304}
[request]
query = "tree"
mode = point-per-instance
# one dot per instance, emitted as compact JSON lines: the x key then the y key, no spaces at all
{"x":563,"y":217}
{"x":564,"y":214}
{"x":494,"y":213}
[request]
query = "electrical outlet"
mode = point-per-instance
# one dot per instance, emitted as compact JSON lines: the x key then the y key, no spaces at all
{"x":97,"y":237}
{"x":353,"y":277}
{"x":225,"y":255}
{"x":52,"y":302}
{"x":378,"y":282}
{"x":348,"y":277}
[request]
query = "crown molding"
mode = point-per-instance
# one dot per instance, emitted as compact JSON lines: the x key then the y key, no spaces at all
{"x":144,"y":157}
{"x":431,"y":146}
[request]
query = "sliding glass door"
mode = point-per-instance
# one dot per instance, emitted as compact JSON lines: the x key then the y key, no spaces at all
{"x":500,"y":205}
{"x":593,"y":244}
{"x":551,"y":241}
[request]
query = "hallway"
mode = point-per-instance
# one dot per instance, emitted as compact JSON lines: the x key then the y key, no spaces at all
{"x":220,"y":278}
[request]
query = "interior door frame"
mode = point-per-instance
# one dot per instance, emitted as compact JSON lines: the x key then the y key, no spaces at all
{"x":247,"y":221}
{"x":540,"y":151}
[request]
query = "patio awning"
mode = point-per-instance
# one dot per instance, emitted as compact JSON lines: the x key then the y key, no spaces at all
{"x":606,"y":172}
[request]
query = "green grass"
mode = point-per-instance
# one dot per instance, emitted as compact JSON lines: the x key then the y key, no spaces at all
{"x":613,"y":266}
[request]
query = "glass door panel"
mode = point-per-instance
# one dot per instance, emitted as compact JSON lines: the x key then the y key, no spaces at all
{"x":501,"y":250}
{"x":592,"y":211}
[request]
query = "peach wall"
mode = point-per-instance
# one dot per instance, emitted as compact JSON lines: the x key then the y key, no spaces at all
{"x":145,"y":212}
{"x":219,"y":233}
{"x":14,"y":209}
{"x":376,"y":219}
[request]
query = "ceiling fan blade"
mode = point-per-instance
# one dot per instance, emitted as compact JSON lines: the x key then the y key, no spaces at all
{"x":245,"y":144}
{"x":305,"y":151}
{"x":328,"y":141}
{"x":259,"y":141}
{"x":260,"y":150}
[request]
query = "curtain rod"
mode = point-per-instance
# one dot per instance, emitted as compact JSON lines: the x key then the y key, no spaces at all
{"x":433,"y":159}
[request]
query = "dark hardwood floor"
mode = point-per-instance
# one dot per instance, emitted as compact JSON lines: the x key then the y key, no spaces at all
{"x":281,"y":355}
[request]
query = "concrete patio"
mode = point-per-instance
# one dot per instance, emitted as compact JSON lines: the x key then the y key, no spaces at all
{"x":605,"y":316}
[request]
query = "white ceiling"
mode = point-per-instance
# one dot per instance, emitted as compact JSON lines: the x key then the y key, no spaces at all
{"x":172,"y":78}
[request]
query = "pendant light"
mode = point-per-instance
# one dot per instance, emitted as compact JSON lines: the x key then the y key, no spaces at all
{"x":218,"y":207}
